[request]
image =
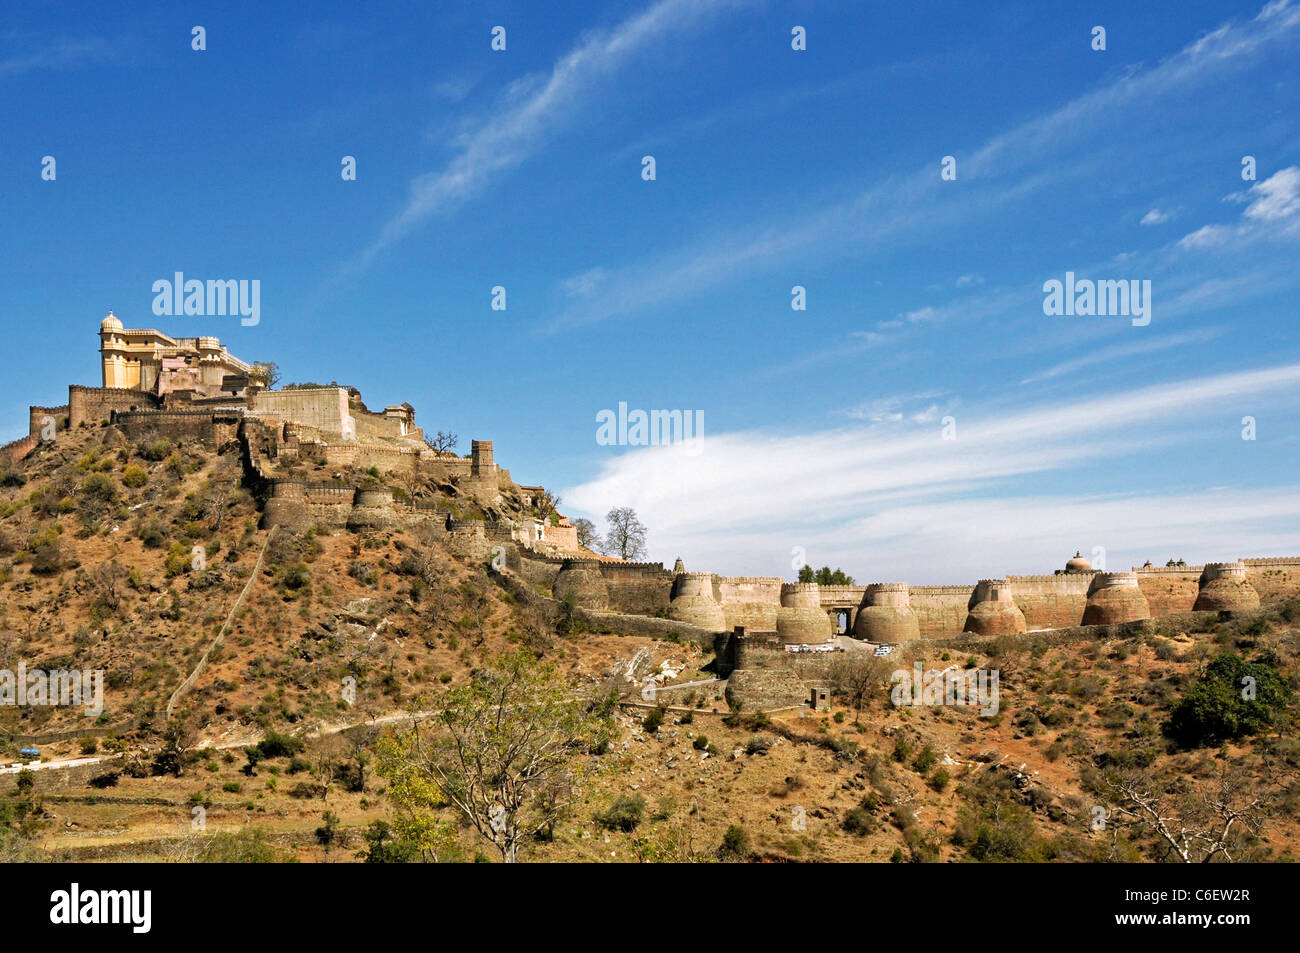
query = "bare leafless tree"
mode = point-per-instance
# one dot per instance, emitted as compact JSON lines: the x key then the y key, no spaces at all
{"x":107,"y":581}
{"x":1207,"y":821}
{"x":856,"y":674}
{"x":626,"y":536}
{"x":587,"y":535}
{"x":220,"y":489}
{"x":443,"y":441}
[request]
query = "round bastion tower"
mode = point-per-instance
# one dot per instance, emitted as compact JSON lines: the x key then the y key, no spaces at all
{"x":1224,"y":587}
{"x":1114,"y":597}
{"x":693,"y":602}
{"x":992,"y":611}
{"x":800,"y":618}
{"x":580,"y":580}
{"x":886,"y":614}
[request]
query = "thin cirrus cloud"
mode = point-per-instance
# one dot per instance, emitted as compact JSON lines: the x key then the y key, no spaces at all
{"x":1121,"y":352}
{"x":856,"y":491}
{"x":61,"y":54}
{"x":906,"y":206}
{"x":534,"y":109}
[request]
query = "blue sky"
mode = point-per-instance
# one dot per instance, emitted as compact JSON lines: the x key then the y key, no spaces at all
{"x":775,"y":168}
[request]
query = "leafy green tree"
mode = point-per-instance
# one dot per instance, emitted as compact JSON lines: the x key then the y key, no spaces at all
{"x":496,"y":745}
{"x":1233,"y":698}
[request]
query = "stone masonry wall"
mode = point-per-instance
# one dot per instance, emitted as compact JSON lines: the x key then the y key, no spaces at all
{"x":940,"y":609}
{"x":90,"y":405}
{"x":1276,"y":580}
{"x":637,"y":588}
{"x":1051,"y":602}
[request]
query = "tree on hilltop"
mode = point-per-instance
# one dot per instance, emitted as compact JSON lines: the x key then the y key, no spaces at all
{"x":587,"y":535}
{"x":547,"y":503}
{"x":626,"y":536}
{"x":266,"y":373}
{"x":825,"y":576}
{"x":442,"y":441}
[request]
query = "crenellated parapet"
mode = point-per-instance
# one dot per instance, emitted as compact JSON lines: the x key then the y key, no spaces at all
{"x":580,"y":581}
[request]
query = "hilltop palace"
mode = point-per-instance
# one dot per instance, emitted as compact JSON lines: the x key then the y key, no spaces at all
{"x":194,"y":389}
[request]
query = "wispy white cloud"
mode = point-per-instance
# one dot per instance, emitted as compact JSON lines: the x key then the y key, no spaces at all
{"x":61,"y":54}
{"x":1121,"y":352}
{"x":1272,"y":206}
{"x":1155,"y":217}
{"x":534,"y":109}
{"x":1012,"y":165}
{"x":843,"y":489}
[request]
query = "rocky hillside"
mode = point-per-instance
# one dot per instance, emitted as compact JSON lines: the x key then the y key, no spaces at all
{"x":142,"y":560}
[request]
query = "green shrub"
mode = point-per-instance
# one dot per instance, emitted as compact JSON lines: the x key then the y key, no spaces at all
{"x":624,"y":814}
{"x":925,"y":760}
{"x":156,"y":450}
{"x":860,"y":821}
{"x":100,"y":488}
{"x":134,"y":476}
{"x":939,"y":780}
{"x":735,"y":844}
{"x":178,"y":560}
{"x":902,"y":749}
{"x":153,"y":534}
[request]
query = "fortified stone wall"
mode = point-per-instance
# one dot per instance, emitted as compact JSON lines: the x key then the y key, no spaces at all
{"x":325,"y":408}
{"x":762,"y":675}
{"x":1168,"y":588}
{"x":90,"y":405}
{"x":940,"y":609}
{"x":1276,"y":580}
{"x":1051,"y":602}
{"x":376,"y":426}
{"x":636,"y":588}
{"x":537,"y":572}
{"x":751,"y":601}
{"x":36,"y":418}
{"x":800,"y":617}
{"x":214,"y":429}
{"x":18,"y":449}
